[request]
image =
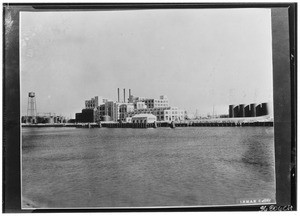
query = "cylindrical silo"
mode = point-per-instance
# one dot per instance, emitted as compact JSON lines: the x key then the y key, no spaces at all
{"x":248,"y":111}
{"x":265,"y":109}
{"x":258,"y":110}
{"x":241,"y":110}
{"x":231,"y":111}
{"x":253,"y":109}
{"x":235,"y":111}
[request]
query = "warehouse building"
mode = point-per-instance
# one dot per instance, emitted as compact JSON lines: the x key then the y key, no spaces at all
{"x":86,"y":116}
{"x":143,"y":118}
{"x":162,"y":114}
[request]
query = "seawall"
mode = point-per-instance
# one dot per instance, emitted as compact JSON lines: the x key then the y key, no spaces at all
{"x":158,"y":124}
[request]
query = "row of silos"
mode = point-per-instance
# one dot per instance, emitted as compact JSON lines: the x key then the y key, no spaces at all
{"x":251,"y":110}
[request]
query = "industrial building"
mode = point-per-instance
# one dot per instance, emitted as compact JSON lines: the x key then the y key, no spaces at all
{"x":250,"y":110}
{"x":144,"y":118}
{"x":157,"y":103}
{"x":149,"y":102}
{"x":86,"y":115}
{"x":93,"y":103}
{"x":162,"y":113}
{"x":122,"y":110}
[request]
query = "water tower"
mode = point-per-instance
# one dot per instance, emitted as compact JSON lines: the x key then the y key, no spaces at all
{"x":31,"y":108}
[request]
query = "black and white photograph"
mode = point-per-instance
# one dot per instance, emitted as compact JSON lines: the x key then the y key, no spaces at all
{"x":151,"y":108}
{"x":148,"y":107}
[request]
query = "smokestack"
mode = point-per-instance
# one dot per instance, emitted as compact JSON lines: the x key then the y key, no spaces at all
{"x":124,"y":95}
{"x":118,"y":95}
{"x":129,"y":97}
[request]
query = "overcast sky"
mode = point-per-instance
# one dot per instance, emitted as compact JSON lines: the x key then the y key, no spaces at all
{"x":198,"y":58}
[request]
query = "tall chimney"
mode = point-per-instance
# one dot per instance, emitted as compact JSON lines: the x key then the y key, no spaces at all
{"x":118,"y":95}
{"x":129,"y":97}
{"x":124,"y":95}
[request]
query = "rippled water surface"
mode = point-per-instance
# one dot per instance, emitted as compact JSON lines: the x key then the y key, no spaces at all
{"x":69,"y":167}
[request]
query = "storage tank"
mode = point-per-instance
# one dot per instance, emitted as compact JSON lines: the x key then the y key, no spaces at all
{"x":235,"y":111}
{"x":31,"y":94}
{"x":253,"y":109}
{"x":258,"y":110}
{"x":231,"y":111}
{"x":248,"y":111}
{"x":241,"y":112}
{"x":265,"y":109}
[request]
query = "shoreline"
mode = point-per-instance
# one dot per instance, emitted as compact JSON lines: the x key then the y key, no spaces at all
{"x":160,"y":124}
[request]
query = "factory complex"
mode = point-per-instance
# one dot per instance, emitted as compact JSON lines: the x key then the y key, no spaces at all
{"x":131,"y":109}
{"x":142,"y":110}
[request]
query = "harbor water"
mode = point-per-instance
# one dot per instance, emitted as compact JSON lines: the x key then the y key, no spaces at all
{"x":124,"y":167}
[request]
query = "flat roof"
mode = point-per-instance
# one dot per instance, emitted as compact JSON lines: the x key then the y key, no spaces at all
{"x":143,"y":115}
